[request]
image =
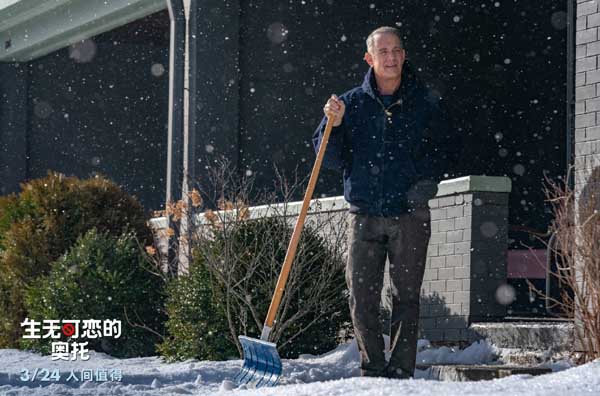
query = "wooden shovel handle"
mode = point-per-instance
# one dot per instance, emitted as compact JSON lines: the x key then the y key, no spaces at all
{"x":291,"y":251}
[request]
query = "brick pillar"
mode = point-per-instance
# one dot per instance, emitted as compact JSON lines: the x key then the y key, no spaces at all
{"x":587,"y":92}
{"x":587,"y":109}
{"x":587,"y":97}
{"x":466,"y":258}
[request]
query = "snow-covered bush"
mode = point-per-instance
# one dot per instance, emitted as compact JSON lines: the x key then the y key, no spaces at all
{"x":102,"y":277}
{"x":43,"y":221}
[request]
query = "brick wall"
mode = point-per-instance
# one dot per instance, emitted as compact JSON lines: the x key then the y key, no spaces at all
{"x":587,"y":91}
{"x":587,"y":104}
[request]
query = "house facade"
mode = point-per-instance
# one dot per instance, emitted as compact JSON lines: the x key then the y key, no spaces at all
{"x":85,"y":88}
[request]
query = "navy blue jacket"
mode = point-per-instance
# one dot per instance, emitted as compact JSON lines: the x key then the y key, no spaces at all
{"x":391,"y":158}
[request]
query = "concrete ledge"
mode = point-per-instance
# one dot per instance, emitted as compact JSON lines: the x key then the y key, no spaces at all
{"x":331,"y":204}
{"x":500,"y":184}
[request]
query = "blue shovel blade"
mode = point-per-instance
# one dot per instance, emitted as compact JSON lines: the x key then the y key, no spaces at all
{"x":262,"y":365}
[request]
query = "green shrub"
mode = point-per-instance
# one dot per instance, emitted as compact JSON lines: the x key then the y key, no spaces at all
{"x":197,"y":322}
{"x":229,"y":288}
{"x":43,"y":221}
{"x":11,"y":210}
{"x":102,"y":277}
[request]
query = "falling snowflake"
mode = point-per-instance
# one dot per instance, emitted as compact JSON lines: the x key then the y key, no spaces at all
{"x":157,"y":70}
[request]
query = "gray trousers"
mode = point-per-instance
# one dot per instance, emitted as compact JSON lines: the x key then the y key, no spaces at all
{"x":404,"y":241}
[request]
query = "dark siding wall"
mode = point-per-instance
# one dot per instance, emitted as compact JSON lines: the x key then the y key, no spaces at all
{"x":13,"y":130}
{"x":101,"y":107}
{"x":216,"y":120}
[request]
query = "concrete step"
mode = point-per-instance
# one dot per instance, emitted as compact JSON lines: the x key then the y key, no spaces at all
{"x":449,"y":372}
{"x":519,"y":357}
{"x":548,"y":335}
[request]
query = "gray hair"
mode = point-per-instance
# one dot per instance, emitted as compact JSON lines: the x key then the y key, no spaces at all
{"x":382,"y":30}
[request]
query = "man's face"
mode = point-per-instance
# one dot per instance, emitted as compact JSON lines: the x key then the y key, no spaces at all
{"x":386,"y":56}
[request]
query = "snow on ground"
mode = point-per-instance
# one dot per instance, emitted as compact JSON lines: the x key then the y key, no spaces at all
{"x":334,"y":373}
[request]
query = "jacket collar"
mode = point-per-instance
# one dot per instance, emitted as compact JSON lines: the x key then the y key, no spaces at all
{"x":408,"y":84}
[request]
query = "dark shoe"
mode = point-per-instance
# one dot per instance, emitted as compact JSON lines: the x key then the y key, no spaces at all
{"x":373,"y":373}
{"x":397,"y":373}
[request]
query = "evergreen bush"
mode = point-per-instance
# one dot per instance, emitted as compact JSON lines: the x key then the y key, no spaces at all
{"x":102,"y":277}
{"x":229,"y":288}
{"x":43,"y":221}
{"x":197,"y":324}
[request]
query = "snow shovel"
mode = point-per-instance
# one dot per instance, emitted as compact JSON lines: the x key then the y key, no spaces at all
{"x":262,"y":364}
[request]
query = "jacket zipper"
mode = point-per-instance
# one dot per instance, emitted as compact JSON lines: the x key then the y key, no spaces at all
{"x":387,"y":118}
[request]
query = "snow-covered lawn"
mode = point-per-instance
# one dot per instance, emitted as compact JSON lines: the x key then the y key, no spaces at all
{"x":334,"y":373}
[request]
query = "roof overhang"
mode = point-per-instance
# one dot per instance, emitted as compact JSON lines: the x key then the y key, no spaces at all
{"x":30,"y":29}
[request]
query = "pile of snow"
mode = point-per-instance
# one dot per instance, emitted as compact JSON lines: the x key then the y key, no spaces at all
{"x":477,"y":353}
{"x":333,"y":373}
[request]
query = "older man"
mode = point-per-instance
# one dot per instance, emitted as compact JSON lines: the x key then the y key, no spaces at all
{"x":386,"y":141}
